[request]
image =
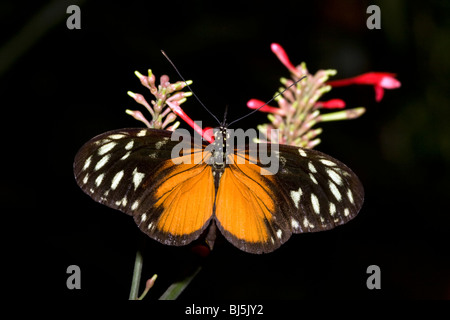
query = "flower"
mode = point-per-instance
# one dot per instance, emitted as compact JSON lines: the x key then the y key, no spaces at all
{"x":166,"y":108}
{"x":205,"y":133}
{"x":299,"y":108}
{"x":148,"y":285}
{"x":255,"y":104}
{"x":380,"y":81}
{"x":331,"y":104}
{"x":281,"y":54}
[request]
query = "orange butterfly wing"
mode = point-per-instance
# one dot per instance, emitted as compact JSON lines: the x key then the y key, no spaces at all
{"x":309,"y":192}
{"x":247,"y":209}
{"x":183,"y":200}
{"x":132,"y":170}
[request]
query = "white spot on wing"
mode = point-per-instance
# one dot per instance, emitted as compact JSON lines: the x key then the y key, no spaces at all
{"x":332,"y":209}
{"x":135,"y":205}
{"x":126,"y":155}
{"x":102,"y":162}
{"x":312,"y":178}
{"x":335,"y":191}
{"x":85,"y":179}
{"x":143,"y":217}
{"x":279,"y":233}
{"x":311,"y":167}
{"x":295,"y":196}
{"x":160,"y":144}
{"x":350,"y":196}
{"x":315,"y":203}
{"x":294,"y":224}
{"x":106,"y":148}
{"x":282,"y":161}
{"x":99,"y":179}
{"x":302,"y":153}
{"x":87,"y":163}
{"x":137,"y":178}
{"x":129,"y":145}
{"x":346,"y":212}
{"x":327,"y":162}
{"x":117,"y":136}
{"x":307,"y":224}
{"x":334,"y":176}
{"x":122,"y":202}
{"x":116,"y":179}
{"x":141,"y":133}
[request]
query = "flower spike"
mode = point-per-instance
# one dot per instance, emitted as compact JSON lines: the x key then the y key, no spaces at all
{"x":165,"y":109}
{"x":299,"y":107}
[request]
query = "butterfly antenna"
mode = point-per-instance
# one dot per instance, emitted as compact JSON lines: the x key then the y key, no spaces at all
{"x":265,"y":104}
{"x":224,"y":123}
{"x":173,"y":65}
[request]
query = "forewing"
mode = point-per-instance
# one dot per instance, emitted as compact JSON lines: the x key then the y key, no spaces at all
{"x":131,"y":170}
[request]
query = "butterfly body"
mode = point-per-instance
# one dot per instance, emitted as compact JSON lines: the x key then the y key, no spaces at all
{"x":175,"y":196}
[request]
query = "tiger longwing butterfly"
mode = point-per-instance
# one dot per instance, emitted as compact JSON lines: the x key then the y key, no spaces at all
{"x":174,"y":202}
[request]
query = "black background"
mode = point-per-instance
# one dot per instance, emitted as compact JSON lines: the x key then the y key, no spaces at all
{"x":66,"y":86}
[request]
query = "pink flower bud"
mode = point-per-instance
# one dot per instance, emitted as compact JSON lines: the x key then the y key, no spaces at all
{"x":164,"y":80}
{"x":138,"y":116}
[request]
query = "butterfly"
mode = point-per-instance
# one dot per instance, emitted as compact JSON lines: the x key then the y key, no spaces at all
{"x":203,"y":187}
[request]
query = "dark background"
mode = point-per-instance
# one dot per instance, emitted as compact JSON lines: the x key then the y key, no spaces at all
{"x":61,"y":87}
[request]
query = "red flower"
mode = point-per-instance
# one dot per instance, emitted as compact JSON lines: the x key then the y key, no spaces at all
{"x":205,"y":133}
{"x":380,"y":81}
{"x":208,"y":134}
{"x":255,"y":104}
{"x":281,"y":54}
{"x":331,"y":104}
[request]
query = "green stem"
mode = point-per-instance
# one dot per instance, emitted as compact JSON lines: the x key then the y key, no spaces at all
{"x":136,"y":276}
{"x":177,"y":288}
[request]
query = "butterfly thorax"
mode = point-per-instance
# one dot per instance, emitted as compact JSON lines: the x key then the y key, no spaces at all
{"x":219,"y":148}
{"x":219,"y":152}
